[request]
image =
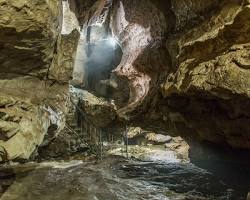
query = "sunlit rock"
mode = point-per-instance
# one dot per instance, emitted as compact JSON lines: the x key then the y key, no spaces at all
{"x":133,"y":132}
{"x":180,"y":147}
{"x":140,"y":39}
{"x":64,"y":57}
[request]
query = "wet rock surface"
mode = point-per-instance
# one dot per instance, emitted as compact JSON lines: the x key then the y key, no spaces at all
{"x":117,"y":179}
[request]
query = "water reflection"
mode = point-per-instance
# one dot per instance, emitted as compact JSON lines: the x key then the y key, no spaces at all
{"x":210,"y":177}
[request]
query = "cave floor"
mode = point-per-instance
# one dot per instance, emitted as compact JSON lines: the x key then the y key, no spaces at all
{"x":116,"y":178}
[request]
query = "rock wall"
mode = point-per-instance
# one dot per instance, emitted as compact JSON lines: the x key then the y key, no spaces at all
{"x":186,"y":62}
{"x":36,"y":62}
{"x":209,"y":82}
{"x":197,"y":53}
{"x":140,"y":28}
{"x":65,"y":50}
{"x":29,"y":30}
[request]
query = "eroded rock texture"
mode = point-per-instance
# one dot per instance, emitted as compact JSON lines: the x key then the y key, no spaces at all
{"x":202,"y":69}
{"x":140,"y":27}
{"x":27,"y":116}
{"x":65,"y":50}
{"x":100,"y":112}
{"x":33,"y":89}
{"x":29,"y":30}
{"x":209,"y":84}
{"x":186,"y":63}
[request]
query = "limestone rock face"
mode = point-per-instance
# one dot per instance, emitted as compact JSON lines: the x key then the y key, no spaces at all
{"x":187,"y":62}
{"x":34,"y":91}
{"x":180,"y":146}
{"x":158,"y":138}
{"x":22,"y":127}
{"x":99,"y":111}
{"x":210,"y":79}
{"x":139,"y":27}
{"x":133,"y":132}
{"x":65,"y":52}
{"x":26,"y":116}
{"x":28,"y":32}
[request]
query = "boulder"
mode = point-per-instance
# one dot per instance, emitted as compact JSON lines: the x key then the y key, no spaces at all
{"x":28,"y":116}
{"x":180,"y":147}
{"x":134,"y":132}
{"x":99,"y":111}
{"x":158,"y":138}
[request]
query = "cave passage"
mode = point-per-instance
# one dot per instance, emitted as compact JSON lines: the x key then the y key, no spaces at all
{"x":124,"y":100}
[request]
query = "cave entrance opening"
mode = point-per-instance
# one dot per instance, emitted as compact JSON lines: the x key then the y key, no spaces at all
{"x":103,"y":55}
{"x":98,"y":55}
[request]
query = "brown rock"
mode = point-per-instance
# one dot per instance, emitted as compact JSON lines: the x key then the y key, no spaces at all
{"x":31,"y":37}
{"x":158,"y":138}
{"x":180,"y":146}
{"x":134,"y":132}
{"x":139,"y":26}
{"x":99,"y":111}
{"x":63,"y":62}
{"x":29,"y":30}
{"x":210,"y":81}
